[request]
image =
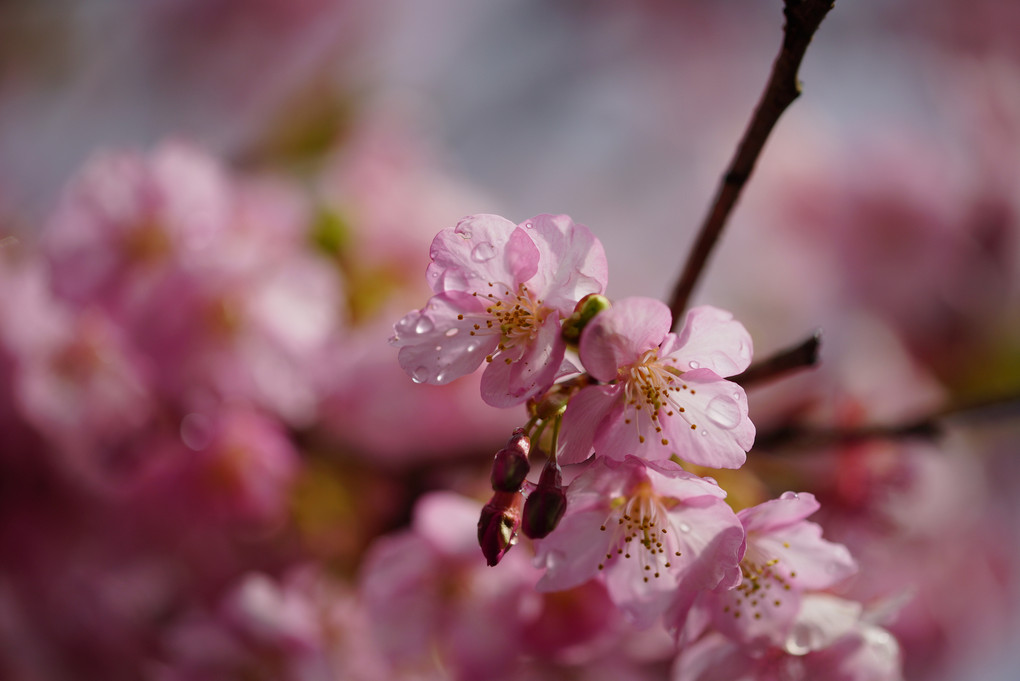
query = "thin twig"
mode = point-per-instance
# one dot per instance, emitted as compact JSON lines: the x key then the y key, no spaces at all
{"x":802,"y":20}
{"x":929,"y":426}
{"x":800,"y":356}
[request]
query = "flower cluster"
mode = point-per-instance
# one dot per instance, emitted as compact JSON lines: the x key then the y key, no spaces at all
{"x":623,"y":403}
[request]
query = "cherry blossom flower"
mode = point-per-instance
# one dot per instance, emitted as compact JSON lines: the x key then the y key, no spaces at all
{"x":431,"y":600}
{"x":651,"y":531}
{"x":830,"y":640}
{"x":663,"y":394}
{"x":501,"y":291}
{"x":785,"y":557}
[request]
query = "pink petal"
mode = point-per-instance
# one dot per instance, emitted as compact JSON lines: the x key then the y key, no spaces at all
{"x":619,"y":335}
{"x":809,"y":561}
{"x":435,"y":346}
{"x":714,"y":658}
{"x":711,"y":339}
{"x":671,"y":480}
{"x":528,"y":373}
{"x":480,"y":250}
{"x":823,"y":619}
{"x":772,"y":624}
{"x":714,"y":429}
{"x":572,"y":264}
{"x":774,"y":514}
{"x":571,"y":554}
{"x":587,"y":410}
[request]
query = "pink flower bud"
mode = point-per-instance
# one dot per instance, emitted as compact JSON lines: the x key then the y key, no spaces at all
{"x":511,"y":466}
{"x":498,"y":525}
{"x":546,"y":505}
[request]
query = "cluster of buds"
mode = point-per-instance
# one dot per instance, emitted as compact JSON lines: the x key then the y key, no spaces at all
{"x":507,"y":512}
{"x":501,"y":517}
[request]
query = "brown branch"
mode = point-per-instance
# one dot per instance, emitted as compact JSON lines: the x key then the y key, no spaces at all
{"x":800,"y":356}
{"x":794,"y":437}
{"x":802,"y":20}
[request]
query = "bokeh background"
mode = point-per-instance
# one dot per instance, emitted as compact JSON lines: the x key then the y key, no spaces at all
{"x":212,"y":211}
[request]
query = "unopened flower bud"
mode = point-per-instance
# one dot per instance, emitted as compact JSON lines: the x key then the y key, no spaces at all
{"x":498,"y":525}
{"x":584,"y":312}
{"x":510,"y":466}
{"x":509,"y":469}
{"x":546,"y":504}
{"x":554,"y":401}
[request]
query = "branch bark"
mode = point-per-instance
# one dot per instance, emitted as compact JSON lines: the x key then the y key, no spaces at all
{"x":800,"y":356}
{"x":796,"y":438}
{"x":803,"y":18}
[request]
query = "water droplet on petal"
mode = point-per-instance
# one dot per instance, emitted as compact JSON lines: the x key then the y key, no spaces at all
{"x":420,"y":375}
{"x":684,"y":527}
{"x":528,"y":225}
{"x":881,"y":643}
{"x":450,"y":333}
{"x":423,"y":325}
{"x":472,"y":346}
{"x":441,"y":377}
{"x":799,"y":640}
{"x":789,"y":495}
{"x":723,"y":412}
{"x":694,"y":365}
{"x":483,"y":252}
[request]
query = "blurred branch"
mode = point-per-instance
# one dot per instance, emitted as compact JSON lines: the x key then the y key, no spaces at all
{"x":928,"y":427}
{"x":803,"y":18}
{"x":800,"y":356}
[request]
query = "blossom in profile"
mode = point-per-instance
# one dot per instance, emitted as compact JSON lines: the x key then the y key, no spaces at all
{"x":501,"y":292}
{"x":785,"y":559}
{"x":661,"y":394}
{"x":651,"y":531}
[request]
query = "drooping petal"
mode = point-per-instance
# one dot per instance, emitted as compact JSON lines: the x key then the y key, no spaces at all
{"x":571,"y":554}
{"x":436,"y":343}
{"x":620,"y":335}
{"x":572,"y":264}
{"x":481,"y":250}
{"x":773,"y":514}
{"x":710,"y":339}
{"x":520,"y":373}
{"x":713,"y":429}
{"x":587,"y":410}
{"x":714,"y":658}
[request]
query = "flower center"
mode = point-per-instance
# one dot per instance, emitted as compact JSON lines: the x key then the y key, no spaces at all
{"x":651,"y":385}
{"x":516,"y":317}
{"x":761,"y":588}
{"x":639,"y":528}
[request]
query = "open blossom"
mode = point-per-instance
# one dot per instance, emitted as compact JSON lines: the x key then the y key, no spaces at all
{"x":785,"y":558}
{"x":830,"y":640}
{"x":663,"y":394}
{"x":501,"y":291}
{"x":652,"y":531}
